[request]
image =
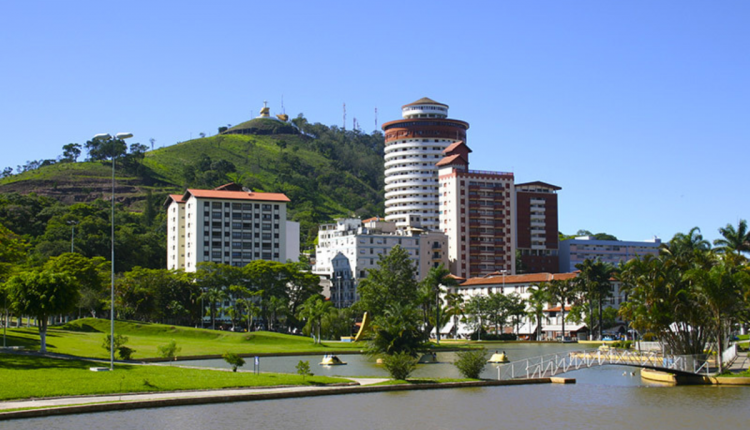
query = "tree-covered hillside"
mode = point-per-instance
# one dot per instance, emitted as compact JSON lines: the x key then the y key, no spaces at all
{"x":326,"y":172}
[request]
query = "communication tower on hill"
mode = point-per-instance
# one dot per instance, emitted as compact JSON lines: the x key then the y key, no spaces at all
{"x":344,"y":116}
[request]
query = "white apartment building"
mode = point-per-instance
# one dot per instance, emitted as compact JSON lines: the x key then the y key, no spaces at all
{"x":228,"y":225}
{"x":348,"y":248}
{"x":412,"y":147}
{"x":576,"y":251}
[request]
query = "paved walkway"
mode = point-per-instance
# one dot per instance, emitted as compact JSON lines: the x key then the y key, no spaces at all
{"x":228,"y":392}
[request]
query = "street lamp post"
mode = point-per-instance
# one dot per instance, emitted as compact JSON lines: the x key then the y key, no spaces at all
{"x":107,"y":137}
{"x":72,"y":224}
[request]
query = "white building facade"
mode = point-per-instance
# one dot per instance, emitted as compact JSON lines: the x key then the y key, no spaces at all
{"x":230,"y":226}
{"x":348,"y":248}
{"x":412,"y":147}
{"x":576,"y":251}
{"x":527,"y":327}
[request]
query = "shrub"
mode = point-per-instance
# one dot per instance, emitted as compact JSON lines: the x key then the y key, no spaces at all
{"x":125,"y":352}
{"x":169,"y":350}
{"x":649,"y":337}
{"x":120,"y":341}
{"x":471,"y":362}
{"x":303,"y":369}
{"x":400,"y":365}
{"x":623,"y":344}
{"x":234,"y":360}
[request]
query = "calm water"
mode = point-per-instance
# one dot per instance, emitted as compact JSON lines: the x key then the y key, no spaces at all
{"x":361,"y":365}
{"x":602,"y":398}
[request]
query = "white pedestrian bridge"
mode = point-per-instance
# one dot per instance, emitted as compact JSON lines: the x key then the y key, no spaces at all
{"x":554,"y":364}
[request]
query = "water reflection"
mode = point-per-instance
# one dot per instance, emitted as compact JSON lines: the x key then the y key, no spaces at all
{"x":602,"y":399}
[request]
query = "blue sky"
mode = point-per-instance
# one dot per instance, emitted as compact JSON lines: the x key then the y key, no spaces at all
{"x":639,"y":110}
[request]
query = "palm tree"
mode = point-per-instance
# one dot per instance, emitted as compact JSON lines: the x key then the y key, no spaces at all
{"x":735,"y":240}
{"x":313,"y":310}
{"x":595,"y":285}
{"x":214,"y":295}
{"x":538,"y":299}
{"x":562,"y":291}
{"x":721,"y":290}
{"x":683,"y":244}
{"x":454,"y":308}
{"x":432,"y":286}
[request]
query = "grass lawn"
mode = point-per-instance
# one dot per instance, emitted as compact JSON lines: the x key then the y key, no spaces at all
{"x":28,"y":376}
{"x":84,"y":338}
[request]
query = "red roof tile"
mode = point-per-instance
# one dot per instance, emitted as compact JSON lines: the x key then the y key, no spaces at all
{"x":529,"y":278}
{"x":450,"y":159}
{"x":236,"y":195}
{"x":455,"y":145}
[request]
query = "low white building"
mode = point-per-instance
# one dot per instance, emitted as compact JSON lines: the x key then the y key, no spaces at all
{"x":348,"y":248}
{"x":521,"y":284}
{"x":576,"y":251}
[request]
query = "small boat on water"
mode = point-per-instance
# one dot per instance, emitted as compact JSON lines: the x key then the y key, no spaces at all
{"x":331,"y":360}
{"x":498,"y":358}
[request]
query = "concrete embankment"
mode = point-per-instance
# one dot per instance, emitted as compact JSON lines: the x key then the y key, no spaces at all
{"x":78,"y":405}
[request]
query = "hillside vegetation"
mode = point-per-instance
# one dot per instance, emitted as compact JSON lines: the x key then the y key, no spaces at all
{"x":325,"y":171}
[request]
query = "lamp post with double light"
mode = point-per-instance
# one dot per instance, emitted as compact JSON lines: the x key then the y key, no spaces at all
{"x":106,"y":137}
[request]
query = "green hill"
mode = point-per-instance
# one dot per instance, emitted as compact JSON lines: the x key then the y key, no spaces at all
{"x":325,"y":171}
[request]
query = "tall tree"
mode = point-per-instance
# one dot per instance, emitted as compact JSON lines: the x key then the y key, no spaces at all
{"x":735,"y":240}
{"x":478,"y":309}
{"x":594,"y":283}
{"x":561,"y":291}
{"x":42,"y":294}
{"x":91,"y":275}
{"x":71,"y":152}
{"x":432,"y":287}
{"x":538,"y":300}
{"x":393,"y":281}
{"x":313,"y":311}
{"x":662,"y":301}
{"x":721,"y":289}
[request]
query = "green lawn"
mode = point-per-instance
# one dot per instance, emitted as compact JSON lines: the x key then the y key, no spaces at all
{"x":28,"y":376}
{"x":84,"y":338}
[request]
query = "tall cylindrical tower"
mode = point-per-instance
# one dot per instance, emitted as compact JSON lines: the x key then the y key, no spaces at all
{"x":412,"y":147}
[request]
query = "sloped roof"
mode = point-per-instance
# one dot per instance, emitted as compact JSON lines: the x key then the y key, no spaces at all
{"x":236,"y":195}
{"x":450,"y":159}
{"x":528,"y":278}
{"x":540,"y":184}
{"x":425,"y":101}
{"x":177,"y":198}
{"x":455,"y":145}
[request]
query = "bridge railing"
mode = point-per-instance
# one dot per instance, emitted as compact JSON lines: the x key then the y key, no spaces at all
{"x":553,"y":364}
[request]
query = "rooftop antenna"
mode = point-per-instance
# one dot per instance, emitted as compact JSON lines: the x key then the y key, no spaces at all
{"x":344,"y":116}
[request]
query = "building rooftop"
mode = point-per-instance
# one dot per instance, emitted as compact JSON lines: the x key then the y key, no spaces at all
{"x":527,"y":278}
{"x":424,"y":101}
{"x":451,"y":159}
{"x":236,"y":195}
